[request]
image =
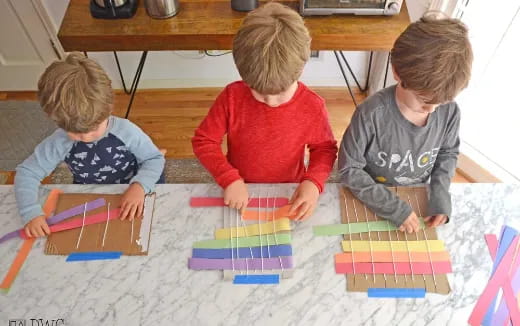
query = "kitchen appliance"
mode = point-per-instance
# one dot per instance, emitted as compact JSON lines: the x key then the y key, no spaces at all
{"x":161,"y":9}
{"x":244,"y":5}
{"x":355,"y":7}
{"x":113,"y":9}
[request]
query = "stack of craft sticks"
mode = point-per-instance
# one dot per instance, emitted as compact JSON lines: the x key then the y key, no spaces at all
{"x":256,"y":253}
{"x":383,"y":261}
{"x":505,"y":278}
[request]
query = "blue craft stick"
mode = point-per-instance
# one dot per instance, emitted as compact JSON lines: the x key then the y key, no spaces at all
{"x":257,"y":279}
{"x":507,"y":236}
{"x":396,"y":293}
{"x":272,"y":251}
{"x":86,"y":256}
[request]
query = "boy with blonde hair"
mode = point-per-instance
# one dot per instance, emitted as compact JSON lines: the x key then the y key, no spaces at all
{"x":408,"y":134}
{"x":97,"y":147}
{"x":269,"y":117}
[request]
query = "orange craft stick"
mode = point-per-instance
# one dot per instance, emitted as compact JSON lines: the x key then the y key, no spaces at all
{"x":48,"y":209}
{"x":255,"y":215}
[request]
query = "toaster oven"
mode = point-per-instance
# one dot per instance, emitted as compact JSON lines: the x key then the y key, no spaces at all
{"x":354,"y":7}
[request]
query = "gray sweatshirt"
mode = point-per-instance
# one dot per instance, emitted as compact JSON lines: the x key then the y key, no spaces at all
{"x":382,"y":148}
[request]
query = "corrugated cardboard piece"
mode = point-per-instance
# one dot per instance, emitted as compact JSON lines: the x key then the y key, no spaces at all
{"x":125,"y":236}
{"x":418,"y":199}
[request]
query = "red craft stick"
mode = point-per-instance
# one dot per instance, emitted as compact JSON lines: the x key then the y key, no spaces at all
{"x":254,"y":202}
{"x":440,"y":267}
{"x":78,"y":222}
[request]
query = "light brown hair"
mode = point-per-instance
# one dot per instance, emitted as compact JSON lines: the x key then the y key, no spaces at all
{"x":433,"y":57}
{"x":271,"y":48}
{"x":76,"y":93}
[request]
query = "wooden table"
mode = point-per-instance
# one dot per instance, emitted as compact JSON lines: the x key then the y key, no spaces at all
{"x":211,"y":25}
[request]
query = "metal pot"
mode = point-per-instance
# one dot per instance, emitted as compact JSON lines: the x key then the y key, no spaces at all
{"x":244,"y":5}
{"x":110,"y":3}
{"x":161,"y":9}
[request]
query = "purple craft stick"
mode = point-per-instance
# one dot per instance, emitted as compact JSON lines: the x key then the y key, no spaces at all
{"x":9,"y":236}
{"x":240,"y":264}
{"x":100,"y":202}
{"x":502,"y":312}
{"x":61,"y":216}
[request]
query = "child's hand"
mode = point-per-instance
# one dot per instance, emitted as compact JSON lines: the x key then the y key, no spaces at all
{"x":411,"y":224}
{"x":132,"y":203}
{"x":236,"y":195}
{"x":37,"y":227}
{"x":435,"y":220}
{"x":304,"y":200}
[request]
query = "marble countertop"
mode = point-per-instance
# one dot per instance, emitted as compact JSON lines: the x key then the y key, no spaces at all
{"x":158,"y":289}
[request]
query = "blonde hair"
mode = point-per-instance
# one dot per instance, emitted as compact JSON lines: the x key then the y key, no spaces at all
{"x":433,"y":57}
{"x":76,"y":93}
{"x":271,"y":48}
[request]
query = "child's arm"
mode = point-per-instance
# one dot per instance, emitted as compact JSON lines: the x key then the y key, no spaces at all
{"x":377,"y":197}
{"x":208,"y":140}
{"x":207,"y":143}
{"x":322,"y":155}
{"x":47,"y":155}
{"x":439,"y":208}
{"x":149,"y":158}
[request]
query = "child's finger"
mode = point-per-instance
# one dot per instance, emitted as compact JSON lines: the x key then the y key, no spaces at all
{"x":133,"y":211}
{"x":46,"y":229}
{"x":296,"y":204}
{"x":40,"y":231}
{"x":303,"y":210}
{"x":140,"y":210}
{"x":427,"y":218}
{"x":124,"y":211}
{"x":28,"y":232}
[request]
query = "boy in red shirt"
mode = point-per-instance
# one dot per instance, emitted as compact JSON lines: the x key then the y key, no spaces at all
{"x":269,"y":117}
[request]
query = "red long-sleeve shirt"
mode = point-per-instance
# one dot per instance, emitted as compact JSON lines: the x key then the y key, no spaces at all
{"x":266,"y":144}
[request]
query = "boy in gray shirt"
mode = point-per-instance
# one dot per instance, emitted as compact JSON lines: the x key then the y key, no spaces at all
{"x":408,"y":134}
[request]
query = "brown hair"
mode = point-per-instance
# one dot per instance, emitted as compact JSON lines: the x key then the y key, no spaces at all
{"x":271,"y":48}
{"x":433,"y":57}
{"x":76,"y":93}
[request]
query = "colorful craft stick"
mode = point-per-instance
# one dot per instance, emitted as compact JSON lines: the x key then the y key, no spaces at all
{"x":60,"y":217}
{"x":77,"y":210}
{"x":507,"y":235}
{"x":386,"y":256}
{"x":254,"y":229}
{"x":365,"y":245}
{"x":396,"y":293}
{"x":255,"y":215}
{"x":256,"y":241}
{"x":78,"y":222}
{"x":87,"y":256}
{"x":48,"y":209}
{"x":439,"y":267}
{"x":240,"y":264}
{"x":257,"y":279}
{"x":256,"y":252}
{"x":500,"y":276}
{"x":353,"y":228}
{"x":253,"y":202}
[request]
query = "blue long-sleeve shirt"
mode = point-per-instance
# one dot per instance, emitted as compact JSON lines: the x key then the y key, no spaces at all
{"x":124,"y":154}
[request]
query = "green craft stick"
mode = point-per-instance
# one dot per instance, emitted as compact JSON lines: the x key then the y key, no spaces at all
{"x":352,"y":228}
{"x":281,"y":238}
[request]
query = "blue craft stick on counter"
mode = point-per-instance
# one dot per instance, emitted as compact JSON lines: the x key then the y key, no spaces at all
{"x":86,"y":256}
{"x":258,"y":252}
{"x":257,"y":279}
{"x":396,"y":293}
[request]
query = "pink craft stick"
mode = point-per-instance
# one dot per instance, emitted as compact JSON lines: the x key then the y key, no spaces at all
{"x":492,"y":244}
{"x":497,"y":280}
{"x":440,"y":267}
{"x":78,"y":222}
{"x":254,"y":202}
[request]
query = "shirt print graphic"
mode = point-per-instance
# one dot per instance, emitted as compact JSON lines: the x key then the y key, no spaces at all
{"x":405,"y":169}
{"x":106,"y":161}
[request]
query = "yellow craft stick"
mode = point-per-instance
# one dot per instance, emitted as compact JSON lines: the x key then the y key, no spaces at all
{"x":435,"y":245}
{"x":282,"y":224}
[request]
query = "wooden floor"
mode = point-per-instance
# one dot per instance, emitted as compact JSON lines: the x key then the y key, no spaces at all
{"x":170,"y":116}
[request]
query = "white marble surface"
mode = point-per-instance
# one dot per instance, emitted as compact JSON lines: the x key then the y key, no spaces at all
{"x":159,"y":289}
